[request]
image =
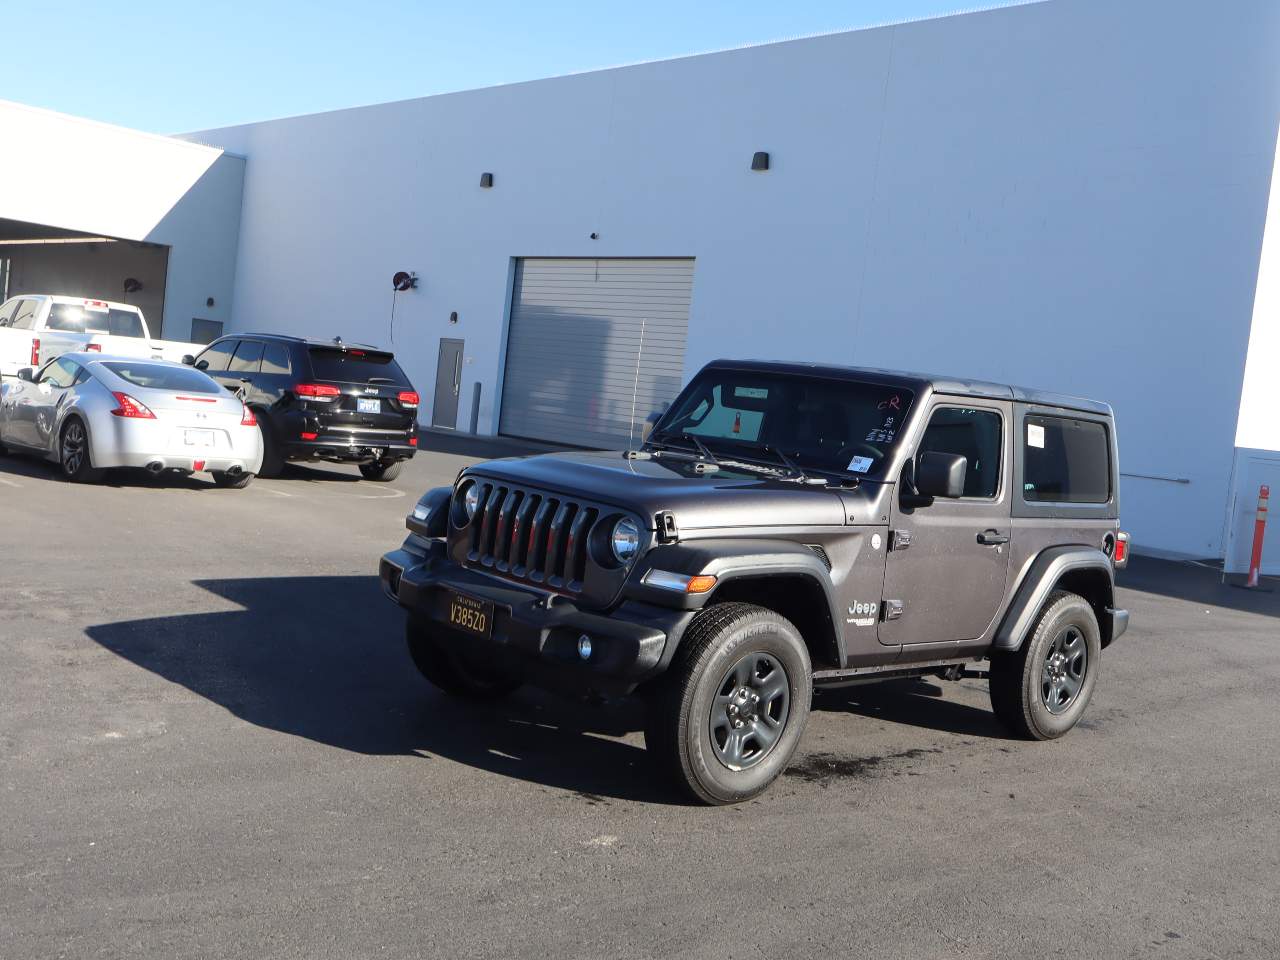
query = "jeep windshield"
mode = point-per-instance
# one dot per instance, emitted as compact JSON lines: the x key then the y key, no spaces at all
{"x":827,"y":425}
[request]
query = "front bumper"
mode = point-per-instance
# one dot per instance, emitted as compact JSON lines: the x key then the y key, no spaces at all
{"x":535,"y":633}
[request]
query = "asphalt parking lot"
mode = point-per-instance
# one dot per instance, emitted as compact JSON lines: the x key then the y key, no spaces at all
{"x":213,"y":743}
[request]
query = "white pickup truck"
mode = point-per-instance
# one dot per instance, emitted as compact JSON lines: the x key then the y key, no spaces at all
{"x":35,"y":328}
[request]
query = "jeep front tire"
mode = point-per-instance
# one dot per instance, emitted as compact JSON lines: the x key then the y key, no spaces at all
{"x":728,"y":715}
{"x":1041,"y":690}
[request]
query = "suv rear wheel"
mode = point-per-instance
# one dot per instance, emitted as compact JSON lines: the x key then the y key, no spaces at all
{"x":451,"y":673}
{"x":272,"y":462}
{"x":1041,"y":690}
{"x":726,"y":719}
{"x":381,"y":470}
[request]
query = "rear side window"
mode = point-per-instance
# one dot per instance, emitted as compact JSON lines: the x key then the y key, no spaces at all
{"x":974,"y":435}
{"x":1065,"y":461}
{"x":161,"y":376}
{"x":216,"y":357}
{"x":275,"y":359}
{"x":356,"y":366}
{"x":247,"y":357}
{"x":73,"y":318}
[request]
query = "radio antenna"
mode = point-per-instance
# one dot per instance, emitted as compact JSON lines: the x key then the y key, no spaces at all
{"x":635,"y":389}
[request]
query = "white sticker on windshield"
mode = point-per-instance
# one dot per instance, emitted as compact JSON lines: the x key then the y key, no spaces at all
{"x":860,"y":464}
{"x":1035,"y":435}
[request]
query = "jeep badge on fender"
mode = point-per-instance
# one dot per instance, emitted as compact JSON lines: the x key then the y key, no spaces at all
{"x":735,"y":562}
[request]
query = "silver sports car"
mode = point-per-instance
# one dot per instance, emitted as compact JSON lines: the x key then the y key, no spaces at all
{"x":88,"y":412}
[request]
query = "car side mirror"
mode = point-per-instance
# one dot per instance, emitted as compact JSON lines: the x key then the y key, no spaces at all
{"x":27,"y":374}
{"x":202,"y":365}
{"x":941,"y":474}
{"x":189,"y":360}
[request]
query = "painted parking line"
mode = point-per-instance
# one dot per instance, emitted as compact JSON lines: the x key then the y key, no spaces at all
{"x":386,"y":495}
{"x":10,"y":483}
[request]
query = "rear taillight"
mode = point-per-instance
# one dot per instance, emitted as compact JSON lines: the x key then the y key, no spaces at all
{"x":308,"y":435}
{"x":413,"y":441}
{"x":318,"y":391}
{"x":131,"y":408}
{"x":1120,"y":557}
{"x":408,"y":398}
{"x":93,"y":347}
{"x":198,"y":399}
{"x":35,"y":351}
{"x":247,"y":419}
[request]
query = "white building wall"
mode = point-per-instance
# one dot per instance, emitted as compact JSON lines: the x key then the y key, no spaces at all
{"x":77,"y":174}
{"x":1068,"y":195}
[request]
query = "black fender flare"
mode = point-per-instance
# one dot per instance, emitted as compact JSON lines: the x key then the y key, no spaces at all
{"x":729,"y":560}
{"x":1043,"y":575}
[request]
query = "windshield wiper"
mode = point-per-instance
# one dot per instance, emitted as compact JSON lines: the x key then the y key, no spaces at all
{"x":786,"y":461}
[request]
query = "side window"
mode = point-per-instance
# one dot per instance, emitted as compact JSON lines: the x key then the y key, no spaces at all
{"x":247,"y":357}
{"x":974,"y":435}
{"x":7,"y":311}
{"x":275,"y":359}
{"x":1065,"y":461}
{"x":217,"y":356}
{"x":24,"y":318}
{"x":59,"y":373}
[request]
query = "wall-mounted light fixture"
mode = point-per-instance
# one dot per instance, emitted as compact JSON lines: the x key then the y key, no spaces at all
{"x":453,"y":316}
{"x":486,"y":180}
{"x":403,"y":280}
{"x":132,"y":285}
{"x":209,"y":301}
{"x":760,"y":161}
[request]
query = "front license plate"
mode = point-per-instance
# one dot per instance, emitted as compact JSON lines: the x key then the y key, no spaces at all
{"x":199,"y":438}
{"x":365,"y":405}
{"x":470,"y":615}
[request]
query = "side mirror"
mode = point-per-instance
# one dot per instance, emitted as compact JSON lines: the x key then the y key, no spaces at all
{"x":189,"y":360}
{"x":941,"y":474}
{"x":27,"y":374}
{"x":202,"y":365}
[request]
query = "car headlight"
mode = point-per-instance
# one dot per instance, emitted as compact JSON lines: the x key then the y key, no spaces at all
{"x":471,"y":500}
{"x":625,"y":540}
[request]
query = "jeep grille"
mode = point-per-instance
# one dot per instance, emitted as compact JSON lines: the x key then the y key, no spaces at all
{"x":529,"y":535}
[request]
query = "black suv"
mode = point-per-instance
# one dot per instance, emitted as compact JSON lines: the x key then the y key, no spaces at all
{"x":784,"y":526}
{"x":320,"y":400}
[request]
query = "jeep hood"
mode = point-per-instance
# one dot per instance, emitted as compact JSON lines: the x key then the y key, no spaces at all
{"x":729,"y":497}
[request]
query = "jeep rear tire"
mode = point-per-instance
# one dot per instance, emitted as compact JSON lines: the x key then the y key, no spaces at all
{"x":728,"y":715}
{"x":1041,"y":690}
{"x":454,"y":674}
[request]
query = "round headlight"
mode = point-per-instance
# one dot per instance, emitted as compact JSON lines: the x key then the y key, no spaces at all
{"x":471,"y":500}
{"x":625,"y":540}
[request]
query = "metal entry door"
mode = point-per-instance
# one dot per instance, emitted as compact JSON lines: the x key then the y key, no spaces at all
{"x":444,"y":412}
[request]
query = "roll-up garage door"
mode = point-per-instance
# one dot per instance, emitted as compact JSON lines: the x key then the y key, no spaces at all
{"x":578,"y":328}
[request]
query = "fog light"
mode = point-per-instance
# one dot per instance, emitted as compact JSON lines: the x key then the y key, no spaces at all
{"x":584,"y":647}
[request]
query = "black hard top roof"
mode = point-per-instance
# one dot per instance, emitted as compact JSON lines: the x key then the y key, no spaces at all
{"x":920,"y":381}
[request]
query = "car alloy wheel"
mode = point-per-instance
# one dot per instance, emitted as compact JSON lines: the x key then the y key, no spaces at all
{"x":750,"y":710}
{"x":75,"y":448}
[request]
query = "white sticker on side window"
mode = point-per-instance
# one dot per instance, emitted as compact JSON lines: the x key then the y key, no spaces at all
{"x":1035,"y":435}
{"x":860,"y":464}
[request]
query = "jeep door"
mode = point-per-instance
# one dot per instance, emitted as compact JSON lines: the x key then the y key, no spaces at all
{"x":949,"y":558}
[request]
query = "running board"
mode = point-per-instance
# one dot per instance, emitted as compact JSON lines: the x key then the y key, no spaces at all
{"x":892,"y":671}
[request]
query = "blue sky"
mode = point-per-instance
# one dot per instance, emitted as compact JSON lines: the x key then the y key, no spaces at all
{"x":175,"y":65}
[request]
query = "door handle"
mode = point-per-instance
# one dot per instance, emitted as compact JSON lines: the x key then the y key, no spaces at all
{"x":992,"y":538}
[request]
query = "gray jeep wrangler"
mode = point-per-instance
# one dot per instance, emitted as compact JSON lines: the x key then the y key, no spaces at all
{"x":783,"y":526}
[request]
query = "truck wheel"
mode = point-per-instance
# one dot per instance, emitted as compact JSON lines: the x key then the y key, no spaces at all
{"x":74,"y":454}
{"x":379,"y":470}
{"x":272,"y":462}
{"x":727,"y":717}
{"x":453,"y":674}
{"x":1040,"y":690}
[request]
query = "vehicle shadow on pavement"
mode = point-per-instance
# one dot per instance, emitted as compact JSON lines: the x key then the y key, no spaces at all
{"x":325,"y":658}
{"x":916,"y":702}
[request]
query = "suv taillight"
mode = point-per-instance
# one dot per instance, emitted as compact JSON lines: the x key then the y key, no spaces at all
{"x":1120,"y":557}
{"x":35,"y":351}
{"x":131,"y":408}
{"x":408,"y":398}
{"x":247,"y":419}
{"x":318,"y":391}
